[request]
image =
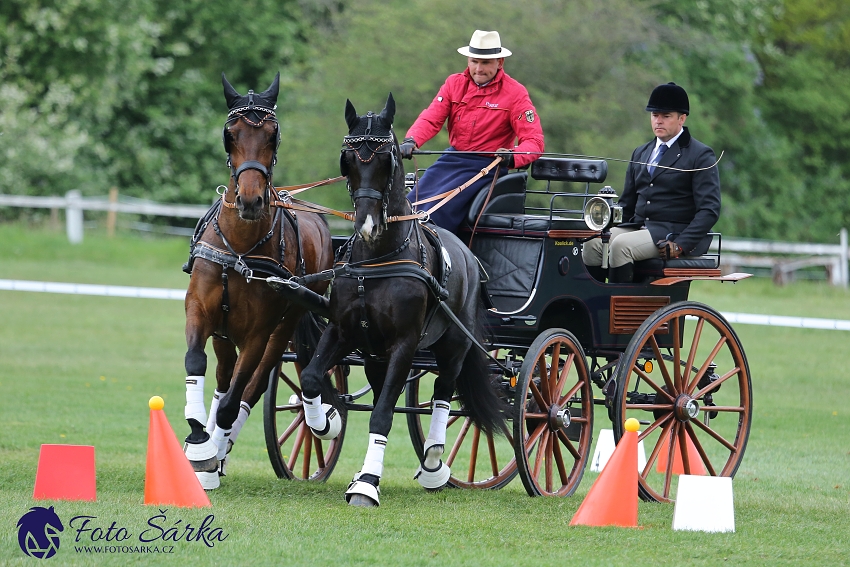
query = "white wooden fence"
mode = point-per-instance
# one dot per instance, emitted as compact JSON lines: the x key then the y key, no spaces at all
{"x":784,"y":258}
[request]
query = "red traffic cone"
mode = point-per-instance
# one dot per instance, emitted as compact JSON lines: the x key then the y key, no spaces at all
{"x":694,"y":460}
{"x":612,"y":500}
{"x":65,"y":472}
{"x":169,"y":478}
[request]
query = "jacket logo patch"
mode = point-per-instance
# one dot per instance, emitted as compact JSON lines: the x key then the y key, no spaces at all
{"x":491,"y":105}
{"x":529,"y":115}
{"x":439,"y":99}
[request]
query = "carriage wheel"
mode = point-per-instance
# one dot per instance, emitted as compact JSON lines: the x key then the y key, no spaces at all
{"x":483,"y":461}
{"x":553,"y":415}
{"x":695,"y":405}
{"x":295,"y":453}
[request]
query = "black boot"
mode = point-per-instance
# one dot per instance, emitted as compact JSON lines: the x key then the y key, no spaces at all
{"x":622,"y":274}
{"x":598,"y":273}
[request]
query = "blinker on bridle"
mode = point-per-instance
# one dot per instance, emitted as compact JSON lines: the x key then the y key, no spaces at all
{"x":241,"y":113}
{"x":355,"y":144}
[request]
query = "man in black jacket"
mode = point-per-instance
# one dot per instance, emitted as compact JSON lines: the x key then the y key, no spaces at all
{"x":667,"y":212}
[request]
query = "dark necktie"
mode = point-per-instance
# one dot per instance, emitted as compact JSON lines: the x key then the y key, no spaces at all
{"x":661,"y":149}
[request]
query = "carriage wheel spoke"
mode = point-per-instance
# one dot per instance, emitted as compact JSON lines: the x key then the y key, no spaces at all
{"x":659,"y":444}
{"x":559,"y":460}
{"x":538,"y":397}
{"x":452,"y":420}
{"x":548,"y":460}
{"x":533,"y":437}
{"x":473,"y":457}
{"x":660,"y":360}
{"x":692,"y":386}
{"x":305,"y":464}
{"x":678,"y":380}
{"x":320,"y":453}
{"x":719,"y":438}
{"x":693,"y":351}
{"x":562,"y":379}
{"x":668,"y":474}
{"x":458,"y":441}
{"x":292,"y":427}
{"x":543,"y":373}
{"x":698,"y":445}
{"x":290,"y":383}
{"x":569,"y":444}
{"x":645,"y":377}
{"x":541,"y":452}
{"x":491,"y":446}
{"x":654,"y":425}
{"x":570,"y":394}
{"x":296,"y":448}
{"x":716,"y":384}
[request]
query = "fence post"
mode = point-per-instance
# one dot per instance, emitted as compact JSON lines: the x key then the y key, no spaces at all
{"x":74,"y":216}
{"x":844,"y":257}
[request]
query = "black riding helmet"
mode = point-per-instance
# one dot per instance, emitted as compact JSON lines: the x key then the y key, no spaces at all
{"x":668,"y":98}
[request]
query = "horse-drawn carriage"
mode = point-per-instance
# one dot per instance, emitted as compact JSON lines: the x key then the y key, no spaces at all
{"x":555,"y":333}
{"x":408,"y":301}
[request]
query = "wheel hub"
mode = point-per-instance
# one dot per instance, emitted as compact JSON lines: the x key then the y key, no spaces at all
{"x":687,"y":408}
{"x":559,"y":417}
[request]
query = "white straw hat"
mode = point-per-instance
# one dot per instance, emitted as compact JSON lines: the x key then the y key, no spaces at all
{"x":484,"y":45}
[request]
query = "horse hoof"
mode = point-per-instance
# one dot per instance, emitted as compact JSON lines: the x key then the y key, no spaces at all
{"x":333,"y":425}
{"x":362,"y":501}
{"x":208,"y":480}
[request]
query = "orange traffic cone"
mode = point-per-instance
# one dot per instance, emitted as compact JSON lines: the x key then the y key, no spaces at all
{"x":65,"y":472}
{"x":169,"y":478}
{"x":694,"y":460}
{"x":612,"y":500}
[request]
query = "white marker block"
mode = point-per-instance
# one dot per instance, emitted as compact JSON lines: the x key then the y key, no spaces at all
{"x":605,"y":448}
{"x":704,"y":504}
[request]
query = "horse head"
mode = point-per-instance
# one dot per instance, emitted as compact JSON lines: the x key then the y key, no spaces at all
{"x":371,"y":159}
{"x":251,"y":137}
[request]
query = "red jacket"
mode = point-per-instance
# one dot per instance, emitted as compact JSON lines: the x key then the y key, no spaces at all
{"x":482,"y":118}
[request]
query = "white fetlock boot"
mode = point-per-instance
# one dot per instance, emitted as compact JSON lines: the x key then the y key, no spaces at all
{"x":202,"y":456}
{"x":364,"y":488}
{"x":323,"y":419}
{"x":244,"y":412}
{"x":433,"y":473}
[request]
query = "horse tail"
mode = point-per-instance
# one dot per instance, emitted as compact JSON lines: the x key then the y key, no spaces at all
{"x":478,"y":388}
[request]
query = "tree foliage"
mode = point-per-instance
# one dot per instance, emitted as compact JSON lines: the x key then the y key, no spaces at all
{"x":101,"y":93}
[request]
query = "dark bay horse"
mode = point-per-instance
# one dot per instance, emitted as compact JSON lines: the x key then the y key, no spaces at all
{"x":241,"y":237}
{"x":384,"y":302}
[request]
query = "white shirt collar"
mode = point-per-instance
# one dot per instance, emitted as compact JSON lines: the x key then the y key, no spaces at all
{"x":669,"y":142}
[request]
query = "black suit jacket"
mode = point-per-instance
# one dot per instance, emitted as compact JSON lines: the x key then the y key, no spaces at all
{"x":686,"y":204}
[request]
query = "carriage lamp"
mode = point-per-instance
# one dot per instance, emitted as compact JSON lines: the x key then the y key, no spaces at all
{"x":409,"y":181}
{"x":600,"y":212}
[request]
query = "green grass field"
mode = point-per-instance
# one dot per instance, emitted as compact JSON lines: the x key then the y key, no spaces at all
{"x":80,"y":370}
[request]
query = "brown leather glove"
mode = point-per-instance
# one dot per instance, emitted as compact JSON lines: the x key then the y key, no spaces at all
{"x":668,"y":249}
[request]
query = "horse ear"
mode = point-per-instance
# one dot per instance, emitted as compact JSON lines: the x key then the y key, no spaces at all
{"x":230,"y":94}
{"x":351,"y":117}
{"x":272,"y":92}
{"x":388,"y":113}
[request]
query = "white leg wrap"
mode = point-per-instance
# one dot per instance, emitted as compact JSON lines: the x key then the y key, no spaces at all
{"x":220,"y":439}
{"x":439,"y":420}
{"x":374,"y":461}
{"x":195,"y":399}
{"x":313,"y":414}
{"x":244,"y":412}
{"x":213,"y":410}
{"x":316,"y":413}
{"x":433,"y":451}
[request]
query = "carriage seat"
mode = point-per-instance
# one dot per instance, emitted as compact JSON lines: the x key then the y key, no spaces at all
{"x":508,"y":197}
{"x":569,"y":169}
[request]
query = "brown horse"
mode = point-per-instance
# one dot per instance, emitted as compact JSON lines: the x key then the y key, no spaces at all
{"x":243,"y":235}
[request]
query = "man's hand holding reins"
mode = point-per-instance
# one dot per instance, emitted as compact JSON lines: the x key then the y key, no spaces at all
{"x":407,"y":147}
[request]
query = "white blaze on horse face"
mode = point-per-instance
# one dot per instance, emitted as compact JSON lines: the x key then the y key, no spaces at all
{"x":366,"y":229}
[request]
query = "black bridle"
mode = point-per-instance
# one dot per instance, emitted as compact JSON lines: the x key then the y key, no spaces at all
{"x":261,"y":115}
{"x":384,"y":145}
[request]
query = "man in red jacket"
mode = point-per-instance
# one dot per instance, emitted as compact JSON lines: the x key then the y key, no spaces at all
{"x":487,"y":111}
